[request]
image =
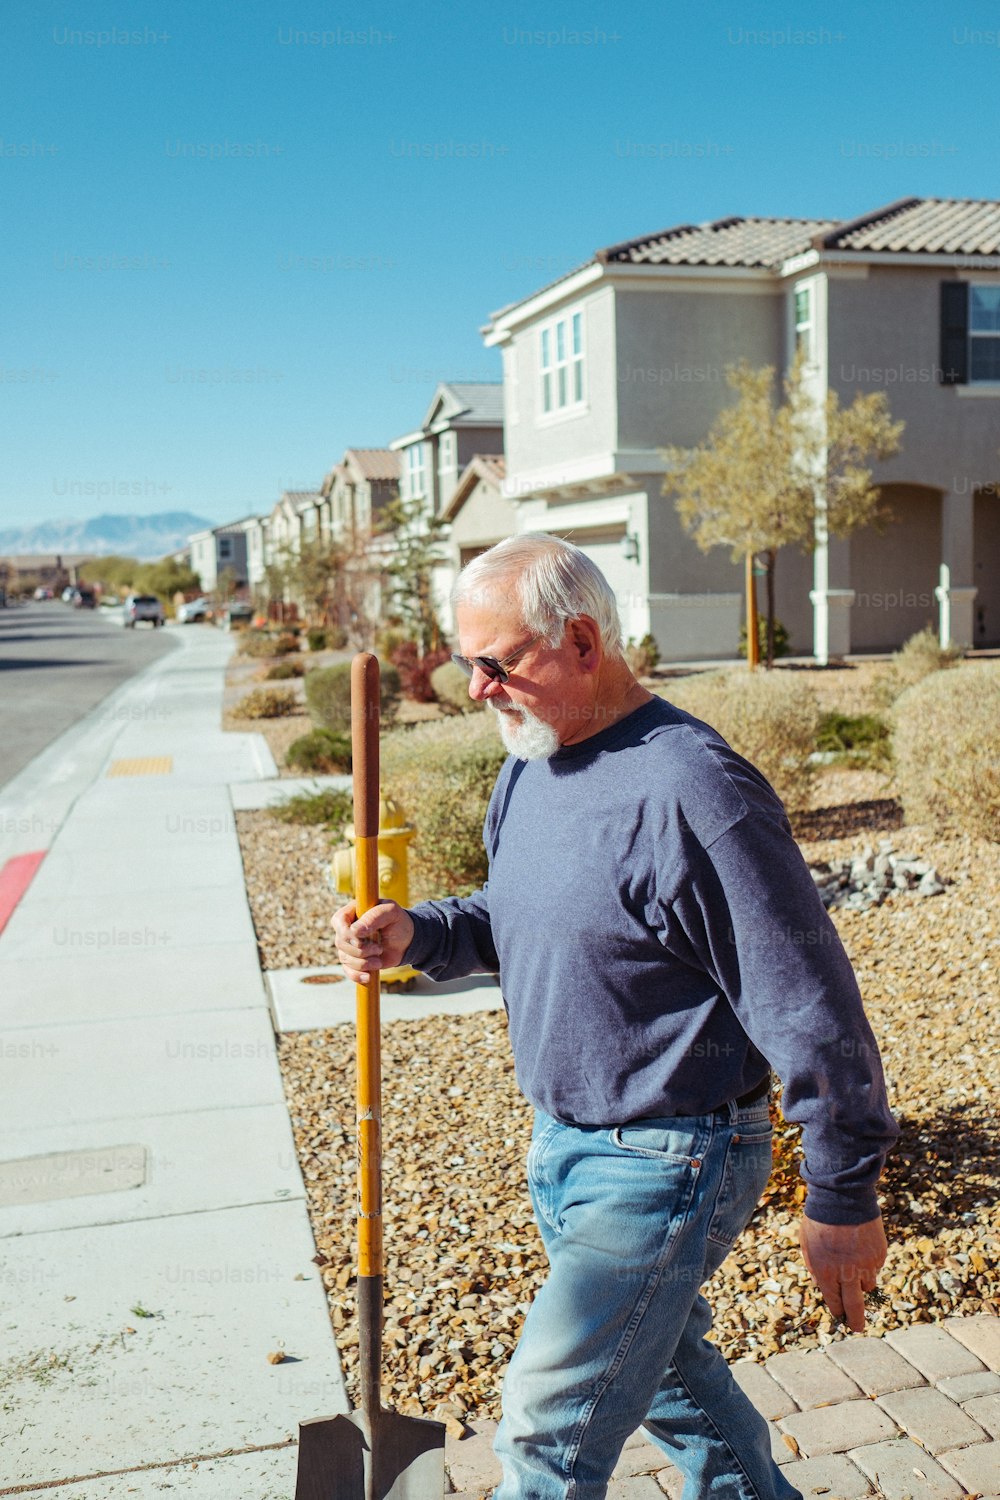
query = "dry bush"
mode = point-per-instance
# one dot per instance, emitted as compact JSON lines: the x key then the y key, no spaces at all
{"x":255,"y":643}
{"x":267,"y":704}
{"x":328,"y":696}
{"x":946,"y":741}
{"x":283,"y":670}
{"x":770,"y":718}
{"x":916,"y":659}
{"x":442,"y":774}
{"x":451,"y":689}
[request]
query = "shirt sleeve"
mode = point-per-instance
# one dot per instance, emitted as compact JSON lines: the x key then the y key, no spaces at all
{"x":453,"y":937}
{"x":749,"y":913}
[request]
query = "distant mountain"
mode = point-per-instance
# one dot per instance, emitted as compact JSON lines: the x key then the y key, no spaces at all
{"x":145,"y":537}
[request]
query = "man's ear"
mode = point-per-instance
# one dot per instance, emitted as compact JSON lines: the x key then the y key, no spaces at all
{"x":586,"y":640}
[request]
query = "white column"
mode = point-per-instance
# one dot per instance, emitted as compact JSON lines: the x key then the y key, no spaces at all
{"x":831,"y":601}
{"x":956,"y":592}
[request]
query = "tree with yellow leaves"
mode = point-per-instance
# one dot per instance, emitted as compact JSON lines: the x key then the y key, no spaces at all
{"x":775,"y":474}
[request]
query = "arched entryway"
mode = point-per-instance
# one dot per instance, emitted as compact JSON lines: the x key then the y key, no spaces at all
{"x":986,"y":566}
{"x":894,"y":573}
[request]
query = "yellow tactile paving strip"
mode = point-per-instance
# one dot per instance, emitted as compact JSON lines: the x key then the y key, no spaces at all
{"x":143,"y":765}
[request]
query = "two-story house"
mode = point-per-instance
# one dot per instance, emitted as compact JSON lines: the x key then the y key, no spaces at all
{"x":358,"y":490}
{"x":627,"y":354}
{"x":294,"y":518}
{"x":221,"y":550}
{"x":465,"y":418}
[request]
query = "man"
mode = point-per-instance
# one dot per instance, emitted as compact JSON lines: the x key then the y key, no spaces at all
{"x":660,"y":944}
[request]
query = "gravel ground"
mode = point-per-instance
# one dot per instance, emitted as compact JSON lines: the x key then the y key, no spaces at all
{"x":463,"y":1255}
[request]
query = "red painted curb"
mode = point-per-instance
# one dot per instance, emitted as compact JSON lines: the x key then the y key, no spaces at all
{"x":15,"y":877}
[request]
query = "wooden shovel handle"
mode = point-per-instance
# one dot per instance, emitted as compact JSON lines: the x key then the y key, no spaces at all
{"x":365,"y":770}
{"x":364,"y":746}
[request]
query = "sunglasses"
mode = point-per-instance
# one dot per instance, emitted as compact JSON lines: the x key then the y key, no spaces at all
{"x":495,"y":670}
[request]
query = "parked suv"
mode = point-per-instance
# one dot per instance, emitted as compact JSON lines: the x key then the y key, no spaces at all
{"x":143,"y":607}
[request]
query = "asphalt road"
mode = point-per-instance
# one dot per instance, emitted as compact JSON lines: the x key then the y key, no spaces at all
{"x":56,"y":663}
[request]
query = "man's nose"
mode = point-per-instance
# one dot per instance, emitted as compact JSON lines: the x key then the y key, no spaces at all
{"x":481,"y":685}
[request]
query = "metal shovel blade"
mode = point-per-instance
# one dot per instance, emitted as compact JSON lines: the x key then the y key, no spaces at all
{"x":337,"y":1460}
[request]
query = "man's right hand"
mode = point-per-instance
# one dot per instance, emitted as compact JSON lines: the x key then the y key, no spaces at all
{"x":375,"y":941}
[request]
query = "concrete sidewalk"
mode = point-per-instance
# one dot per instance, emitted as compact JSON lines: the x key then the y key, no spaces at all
{"x":156,"y":1243}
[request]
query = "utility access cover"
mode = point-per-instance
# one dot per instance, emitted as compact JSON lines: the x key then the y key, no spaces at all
{"x":71,"y":1174}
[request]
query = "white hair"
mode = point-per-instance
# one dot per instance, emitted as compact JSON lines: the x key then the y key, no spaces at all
{"x":551,"y":582}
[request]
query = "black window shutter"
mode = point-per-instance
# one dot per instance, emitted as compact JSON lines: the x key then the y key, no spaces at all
{"x":954,"y":333}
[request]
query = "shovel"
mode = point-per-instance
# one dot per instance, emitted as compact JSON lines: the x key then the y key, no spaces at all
{"x":373,"y":1454}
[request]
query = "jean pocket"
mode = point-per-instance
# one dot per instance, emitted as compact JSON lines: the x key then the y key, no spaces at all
{"x":670,"y":1144}
{"x":744,"y":1178}
{"x":539,"y":1142}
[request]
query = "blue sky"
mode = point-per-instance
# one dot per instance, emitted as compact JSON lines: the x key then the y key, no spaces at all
{"x":238,"y":240}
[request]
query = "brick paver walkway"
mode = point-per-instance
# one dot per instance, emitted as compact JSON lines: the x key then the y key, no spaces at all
{"x":912,"y":1416}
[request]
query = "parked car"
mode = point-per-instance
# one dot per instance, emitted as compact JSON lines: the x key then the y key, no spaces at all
{"x":193,"y":610}
{"x":67,"y":594}
{"x":239,"y":610}
{"x":84,"y":598}
{"x":143,"y":607}
{"x":43,"y":593}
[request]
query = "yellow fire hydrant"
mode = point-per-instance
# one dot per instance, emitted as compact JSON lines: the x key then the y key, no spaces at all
{"x":394,"y":834}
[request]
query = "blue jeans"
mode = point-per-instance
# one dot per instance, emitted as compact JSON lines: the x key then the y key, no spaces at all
{"x":634,"y":1220}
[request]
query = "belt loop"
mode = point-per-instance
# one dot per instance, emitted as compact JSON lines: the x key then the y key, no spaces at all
{"x":733,"y":1108}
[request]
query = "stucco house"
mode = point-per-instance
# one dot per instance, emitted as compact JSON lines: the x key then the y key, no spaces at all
{"x":358,"y":489}
{"x":355,"y":496}
{"x":627,"y":354}
{"x":478,"y":513}
{"x":464,"y":418}
{"x":221,"y":550}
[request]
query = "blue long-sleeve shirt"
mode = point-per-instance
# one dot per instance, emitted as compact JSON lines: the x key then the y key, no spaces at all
{"x":660,"y":943}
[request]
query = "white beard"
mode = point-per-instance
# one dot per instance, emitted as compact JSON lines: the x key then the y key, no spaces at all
{"x":524,"y":734}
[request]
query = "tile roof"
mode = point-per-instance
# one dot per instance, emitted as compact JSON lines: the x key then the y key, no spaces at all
{"x":486,"y":466}
{"x":493,"y":461}
{"x":936,"y":226}
{"x":724,"y":242}
{"x":944,"y":226}
{"x":375,"y":463}
{"x":481,"y":401}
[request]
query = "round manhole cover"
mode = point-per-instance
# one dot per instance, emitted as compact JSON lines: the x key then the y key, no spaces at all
{"x":322,"y":979}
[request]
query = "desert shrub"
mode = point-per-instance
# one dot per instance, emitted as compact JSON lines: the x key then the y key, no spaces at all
{"x":644,"y":657}
{"x":857,"y":737}
{"x":442,"y":774}
{"x":255,"y":643}
{"x":916,"y":659}
{"x":770,"y":718}
{"x":780,"y":638}
{"x":316,"y":640}
{"x":451,"y":689}
{"x":328,"y":696}
{"x":267,"y":703}
{"x":285,"y":644}
{"x":282,"y":670}
{"x":415,"y":670}
{"x":946,"y":743}
{"x":320,"y":750}
{"x":330,"y":808}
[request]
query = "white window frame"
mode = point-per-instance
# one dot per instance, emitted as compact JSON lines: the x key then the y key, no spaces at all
{"x":416,"y":472}
{"x":804,"y":329}
{"x":447,"y":453}
{"x":976,"y":335}
{"x":562,"y":359}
